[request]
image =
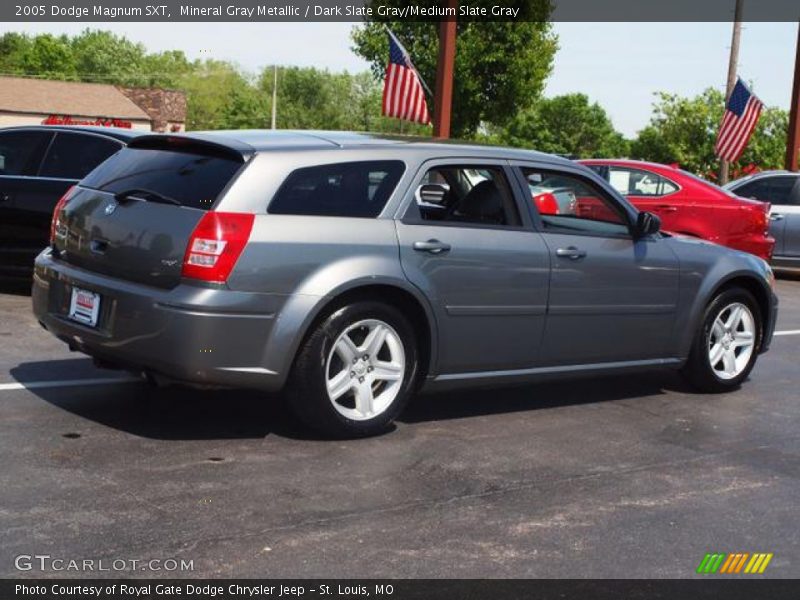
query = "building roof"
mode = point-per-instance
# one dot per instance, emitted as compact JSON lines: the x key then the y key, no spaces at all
{"x":40,"y":96}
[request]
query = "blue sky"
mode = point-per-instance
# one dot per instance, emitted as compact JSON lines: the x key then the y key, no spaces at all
{"x":620,"y":65}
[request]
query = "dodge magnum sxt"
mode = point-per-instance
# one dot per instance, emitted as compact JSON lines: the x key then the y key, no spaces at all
{"x":352,"y":270}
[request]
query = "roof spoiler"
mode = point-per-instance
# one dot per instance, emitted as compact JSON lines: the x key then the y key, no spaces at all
{"x":207,"y":145}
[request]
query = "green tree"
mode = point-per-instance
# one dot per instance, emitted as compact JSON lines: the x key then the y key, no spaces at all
{"x":48,"y":56}
{"x":567,"y":124}
{"x":104,"y":57}
{"x":683,"y":131}
{"x":500,"y":67}
{"x":13,"y":46}
{"x":209,"y":91}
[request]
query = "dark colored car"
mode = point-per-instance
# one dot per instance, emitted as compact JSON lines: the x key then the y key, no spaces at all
{"x":352,"y":269}
{"x":781,"y":191}
{"x":689,"y":205}
{"x":38,"y":164}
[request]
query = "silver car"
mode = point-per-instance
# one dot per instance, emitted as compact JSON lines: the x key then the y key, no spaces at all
{"x":782,"y":190}
{"x":352,"y":270}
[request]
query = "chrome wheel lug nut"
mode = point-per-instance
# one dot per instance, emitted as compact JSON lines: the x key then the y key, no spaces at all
{"x":361,"y":380}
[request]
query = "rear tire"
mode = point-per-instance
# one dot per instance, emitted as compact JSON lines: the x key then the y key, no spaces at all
{"x":355,"y":371}
{"x":726,"y":347}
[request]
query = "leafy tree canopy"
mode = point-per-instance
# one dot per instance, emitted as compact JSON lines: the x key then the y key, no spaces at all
{"x":500,"y":67}
{"x":567,"y":124}
{"x":683,"y":131}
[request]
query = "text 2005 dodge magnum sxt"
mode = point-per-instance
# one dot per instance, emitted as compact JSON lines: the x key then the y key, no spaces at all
{"x":351,"y":269}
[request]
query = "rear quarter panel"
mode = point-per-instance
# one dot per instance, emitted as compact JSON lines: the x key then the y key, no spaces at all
{"x":312,"y":260}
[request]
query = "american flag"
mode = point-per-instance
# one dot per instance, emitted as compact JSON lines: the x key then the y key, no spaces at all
{"x":741,"y":115}
{"x":403,"y":94}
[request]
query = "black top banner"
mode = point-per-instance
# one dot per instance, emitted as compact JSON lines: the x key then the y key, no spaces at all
{"x":359,"y":10}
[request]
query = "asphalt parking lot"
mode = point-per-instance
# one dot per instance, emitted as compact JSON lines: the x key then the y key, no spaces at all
{"x":628,"y":476}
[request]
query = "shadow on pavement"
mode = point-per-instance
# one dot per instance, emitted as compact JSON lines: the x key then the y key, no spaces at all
{"x":15,"y":287}
{"x":541,"y":396}
{"x":168,"y":413}
{"x":178,"y":413}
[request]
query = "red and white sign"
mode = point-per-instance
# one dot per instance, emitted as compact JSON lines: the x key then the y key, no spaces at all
{"x":100,"y":121}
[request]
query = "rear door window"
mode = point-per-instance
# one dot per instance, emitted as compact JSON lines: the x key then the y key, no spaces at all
{"x":466,"y":194}
{"x":193,"y":180}
{"x":73,"y":155}
{"x":22,"y":151}
{"x":352,"y":189}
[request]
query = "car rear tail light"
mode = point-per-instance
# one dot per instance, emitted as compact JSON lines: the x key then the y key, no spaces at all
{"x":57,"y":228}
{"x":215,"y":245}
{"x":765,"y":216}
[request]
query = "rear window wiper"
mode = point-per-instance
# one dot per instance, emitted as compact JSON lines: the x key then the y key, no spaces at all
{"x":150,"y":195}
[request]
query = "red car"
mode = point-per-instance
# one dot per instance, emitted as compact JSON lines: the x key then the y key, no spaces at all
{"x":689,"y":205}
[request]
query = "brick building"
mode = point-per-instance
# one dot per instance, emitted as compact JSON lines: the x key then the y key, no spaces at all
{"x":37,"y":101}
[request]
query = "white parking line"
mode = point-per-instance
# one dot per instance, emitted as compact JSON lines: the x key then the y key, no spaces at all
{"x":32,"y":385}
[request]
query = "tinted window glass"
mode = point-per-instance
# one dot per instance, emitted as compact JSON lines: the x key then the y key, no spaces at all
{"x":567,"y":203}
{"x":467,"y":194}
{"x":192,"y":179}
{"x":780,"y":189}
{"x":756,"y":190}
{"x":354,"y":189}
{"x":73,"y":155}
{"x":21,"y":151}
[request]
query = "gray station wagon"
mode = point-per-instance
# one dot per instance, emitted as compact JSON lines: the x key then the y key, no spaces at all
{"x":352,"y":270}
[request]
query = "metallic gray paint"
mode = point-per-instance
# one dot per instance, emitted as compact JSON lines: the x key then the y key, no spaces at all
{"x":501,"y":305}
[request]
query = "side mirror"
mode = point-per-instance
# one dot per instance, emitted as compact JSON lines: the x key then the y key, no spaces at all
{"x":432,"y":193}
{"x":646,"y":224}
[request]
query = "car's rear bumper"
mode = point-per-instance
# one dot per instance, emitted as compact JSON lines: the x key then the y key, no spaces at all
{"x":757,"y":243}
{"x":192,"y":334}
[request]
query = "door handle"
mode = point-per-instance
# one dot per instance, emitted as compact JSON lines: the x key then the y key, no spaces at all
{"x":776,"y":217}
{"x":572,"y":253}
{"x":4,"y":197}
{"x":666,"y":208}
{"x":431,"y":246}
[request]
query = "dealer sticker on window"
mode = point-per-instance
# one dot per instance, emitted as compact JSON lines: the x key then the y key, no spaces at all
{"x":84,"y":307}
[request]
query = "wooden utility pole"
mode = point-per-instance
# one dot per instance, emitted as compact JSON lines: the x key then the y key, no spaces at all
{"x":275,"y":97}
{"x":732,"y":68}
{"x":443,"y":99}
{"x":793,"y":139}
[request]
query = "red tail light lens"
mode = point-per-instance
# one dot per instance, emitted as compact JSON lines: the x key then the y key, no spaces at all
{"x":56,"y":226}
{"x":215,"y":245}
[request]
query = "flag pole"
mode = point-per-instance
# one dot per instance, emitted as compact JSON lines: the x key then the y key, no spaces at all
{"x":732,"y":68}
{"x":443,"y":100}
{"x":274,"y":96}
{"x":793,"y":139}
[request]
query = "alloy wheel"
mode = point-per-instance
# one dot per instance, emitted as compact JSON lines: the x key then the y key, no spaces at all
{"x":731,"y":341}
{"x":365,"y":369}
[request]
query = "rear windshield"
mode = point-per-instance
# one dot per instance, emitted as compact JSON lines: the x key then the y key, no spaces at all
{"x":352,"y":189}
{"x":194,"y":180}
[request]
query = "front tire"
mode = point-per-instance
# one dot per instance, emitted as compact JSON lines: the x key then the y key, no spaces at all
{"x":726,"y":347}
{"x":356,"y":371}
